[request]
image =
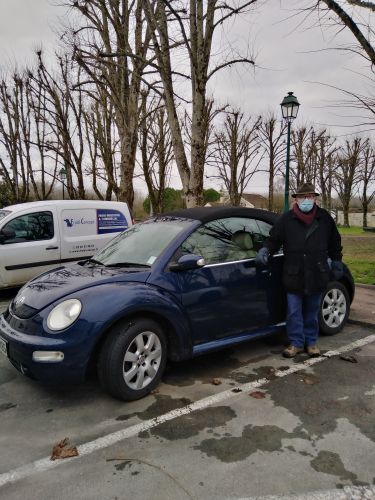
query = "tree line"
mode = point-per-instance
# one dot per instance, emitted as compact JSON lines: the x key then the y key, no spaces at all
{"x":127,"y":97}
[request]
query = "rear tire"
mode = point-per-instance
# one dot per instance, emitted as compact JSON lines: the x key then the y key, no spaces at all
{"x":132,"y":359}
{"x":334,"y":309}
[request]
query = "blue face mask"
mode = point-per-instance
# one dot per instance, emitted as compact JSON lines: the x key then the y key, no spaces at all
{"x":305,"y":205}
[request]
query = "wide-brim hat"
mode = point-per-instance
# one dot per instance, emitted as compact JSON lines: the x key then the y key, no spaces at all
{"x":305,"y":188}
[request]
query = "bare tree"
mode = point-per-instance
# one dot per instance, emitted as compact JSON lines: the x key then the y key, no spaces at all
{"x":12,"y":134}
{"x":367,"y":179}
{"x":361,"y":31}
{"x":356,"y":17}
{"x":64,"y":115}
{"x":325,"y":151}
{"x":237,"y":154}
{"x":156,"y":150}
{"x":304,"y":143}
{"x":189,"y":28}
{"x":271,"y":134}
{"x":347,"y":172}
{"x":110,"y":43}
{"x":101,"y":137}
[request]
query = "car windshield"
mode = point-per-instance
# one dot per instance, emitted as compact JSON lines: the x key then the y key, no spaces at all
{"x":4,"y":213}
{"x":142,"y":244}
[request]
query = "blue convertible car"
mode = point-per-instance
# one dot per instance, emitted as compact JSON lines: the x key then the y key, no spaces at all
{"x":173,"y":287}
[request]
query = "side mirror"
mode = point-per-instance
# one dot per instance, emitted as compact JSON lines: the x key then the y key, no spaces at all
{"x":6,"y":234}
{"x":186,"y":262}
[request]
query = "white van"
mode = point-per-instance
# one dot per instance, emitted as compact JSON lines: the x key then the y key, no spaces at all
{"x":40,"y":235}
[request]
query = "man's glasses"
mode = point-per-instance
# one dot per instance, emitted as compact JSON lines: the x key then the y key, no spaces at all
{"x":304,"y":196}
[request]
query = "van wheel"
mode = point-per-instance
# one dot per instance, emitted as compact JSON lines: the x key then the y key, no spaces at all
{"x":132,"y":359}
{"x":334,"y":309}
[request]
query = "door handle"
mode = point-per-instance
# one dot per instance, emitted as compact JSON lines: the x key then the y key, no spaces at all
{"x":52,"y":248}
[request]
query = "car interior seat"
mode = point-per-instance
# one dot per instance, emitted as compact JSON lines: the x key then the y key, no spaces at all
{"x":242,"y":246}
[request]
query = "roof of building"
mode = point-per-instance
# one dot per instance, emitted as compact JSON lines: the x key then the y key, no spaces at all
{"x":255,"y":199}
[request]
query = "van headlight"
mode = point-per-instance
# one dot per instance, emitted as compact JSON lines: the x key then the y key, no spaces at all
{"x":64,"y":314}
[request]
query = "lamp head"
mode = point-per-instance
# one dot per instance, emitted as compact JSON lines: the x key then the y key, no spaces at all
{"x":289,"y":107}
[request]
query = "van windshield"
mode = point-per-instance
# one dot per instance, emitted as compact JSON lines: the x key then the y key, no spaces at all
{"x":4,"y":213}
{"x":142,"y":244}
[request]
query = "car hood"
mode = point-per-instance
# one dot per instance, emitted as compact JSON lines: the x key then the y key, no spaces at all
{"x":54,"y":285}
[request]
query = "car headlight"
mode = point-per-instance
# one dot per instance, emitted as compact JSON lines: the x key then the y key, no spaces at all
{"x":64,"y":314}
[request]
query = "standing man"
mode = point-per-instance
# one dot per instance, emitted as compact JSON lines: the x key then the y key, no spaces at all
{"x":308,"y":235}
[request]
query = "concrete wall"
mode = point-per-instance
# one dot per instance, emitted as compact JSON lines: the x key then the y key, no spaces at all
{"x":356,"y":219}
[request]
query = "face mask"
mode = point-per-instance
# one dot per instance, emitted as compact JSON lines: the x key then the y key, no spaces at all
{"x":305,"y":205}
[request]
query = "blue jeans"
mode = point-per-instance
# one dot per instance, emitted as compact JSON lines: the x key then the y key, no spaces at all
{"x":302,"y":323}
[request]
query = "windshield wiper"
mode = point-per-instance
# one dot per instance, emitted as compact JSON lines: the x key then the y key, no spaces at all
{"x":90,"y":261}
{"x":127,"y":264}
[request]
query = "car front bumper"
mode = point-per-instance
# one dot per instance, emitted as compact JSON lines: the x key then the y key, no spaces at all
{"x":68,"y":368}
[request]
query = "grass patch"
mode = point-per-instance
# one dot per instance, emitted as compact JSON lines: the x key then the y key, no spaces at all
{"x":354,"y":231}
{"x":359,"y":254}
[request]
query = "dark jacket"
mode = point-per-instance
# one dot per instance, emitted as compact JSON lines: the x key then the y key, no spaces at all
{"x":306,"y":249}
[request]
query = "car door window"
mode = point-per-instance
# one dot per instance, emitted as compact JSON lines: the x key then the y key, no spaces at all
{"x":30,"y":227}
{"x":227,"y":240}
{"x":261,"y":234}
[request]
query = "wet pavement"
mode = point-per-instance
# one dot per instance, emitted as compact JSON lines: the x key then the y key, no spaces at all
{"x":363,"y":307}
{"x":240,"y":423}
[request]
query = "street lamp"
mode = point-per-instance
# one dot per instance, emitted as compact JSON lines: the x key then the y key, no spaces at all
{"x":289,"y":109}
{"x":62,"y":175}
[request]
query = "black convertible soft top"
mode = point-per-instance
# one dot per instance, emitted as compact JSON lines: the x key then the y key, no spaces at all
{"x":206,"y":214}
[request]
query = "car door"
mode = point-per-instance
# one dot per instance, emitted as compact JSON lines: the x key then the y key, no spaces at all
{"x":229,"y":295}
{"x":32,"y":247}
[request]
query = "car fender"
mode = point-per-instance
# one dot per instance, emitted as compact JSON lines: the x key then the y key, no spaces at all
{"x":131,"y":299}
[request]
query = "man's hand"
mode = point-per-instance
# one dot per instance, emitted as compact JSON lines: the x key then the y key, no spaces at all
{"x":337,"y":268}
{"x":261,"y":258}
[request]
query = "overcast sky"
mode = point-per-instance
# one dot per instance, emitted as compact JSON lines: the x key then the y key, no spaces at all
{"x":288,"y":57}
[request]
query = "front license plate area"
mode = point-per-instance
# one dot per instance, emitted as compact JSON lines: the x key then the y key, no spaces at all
{"x":3,"y":347}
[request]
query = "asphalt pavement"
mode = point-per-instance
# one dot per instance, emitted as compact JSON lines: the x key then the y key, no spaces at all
{"x":268,"y":428}
{"x":363,"y":308}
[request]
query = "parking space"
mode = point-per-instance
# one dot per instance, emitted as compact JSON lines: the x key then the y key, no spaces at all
{"x":238,"y":423}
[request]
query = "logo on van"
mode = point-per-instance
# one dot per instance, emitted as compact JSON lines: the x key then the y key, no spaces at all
{"x":69,"y":222}
{"x":73,"y":222}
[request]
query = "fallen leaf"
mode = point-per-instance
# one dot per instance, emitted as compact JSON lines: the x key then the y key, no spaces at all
{"x":310,"y":380}
{"x":60,"y":450}
{"x":7,"y":406}
{"x":216,"y":381}
{"x":258,"y":394}
{"x":312,"y":409}
{"x":349,"y":358}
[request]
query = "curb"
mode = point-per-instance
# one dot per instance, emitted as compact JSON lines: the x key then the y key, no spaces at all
{"x":369,"y":287}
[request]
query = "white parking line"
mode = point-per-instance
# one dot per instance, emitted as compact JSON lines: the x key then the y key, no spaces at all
{"x":115,"y":437}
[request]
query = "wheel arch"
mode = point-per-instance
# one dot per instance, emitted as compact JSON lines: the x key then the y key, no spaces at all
{"x":176,"y":350}
{"x":349,"y":287}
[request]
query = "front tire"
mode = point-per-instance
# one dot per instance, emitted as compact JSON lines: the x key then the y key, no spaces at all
{"x":132,"y":359}
{"x":334,"y":309}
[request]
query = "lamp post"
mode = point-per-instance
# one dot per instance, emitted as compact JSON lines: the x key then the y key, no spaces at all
{"x":289,"y":109}
{"x":62,"y":175}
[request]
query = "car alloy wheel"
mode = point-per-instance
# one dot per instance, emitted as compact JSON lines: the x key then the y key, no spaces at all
{"x":334,"y":309}
{"x":142,"y":360}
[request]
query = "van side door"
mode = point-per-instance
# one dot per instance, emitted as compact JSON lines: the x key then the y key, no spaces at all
{"x":31,"y":245}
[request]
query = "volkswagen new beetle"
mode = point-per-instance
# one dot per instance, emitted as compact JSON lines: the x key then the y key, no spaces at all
{"x":173,"y":287}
